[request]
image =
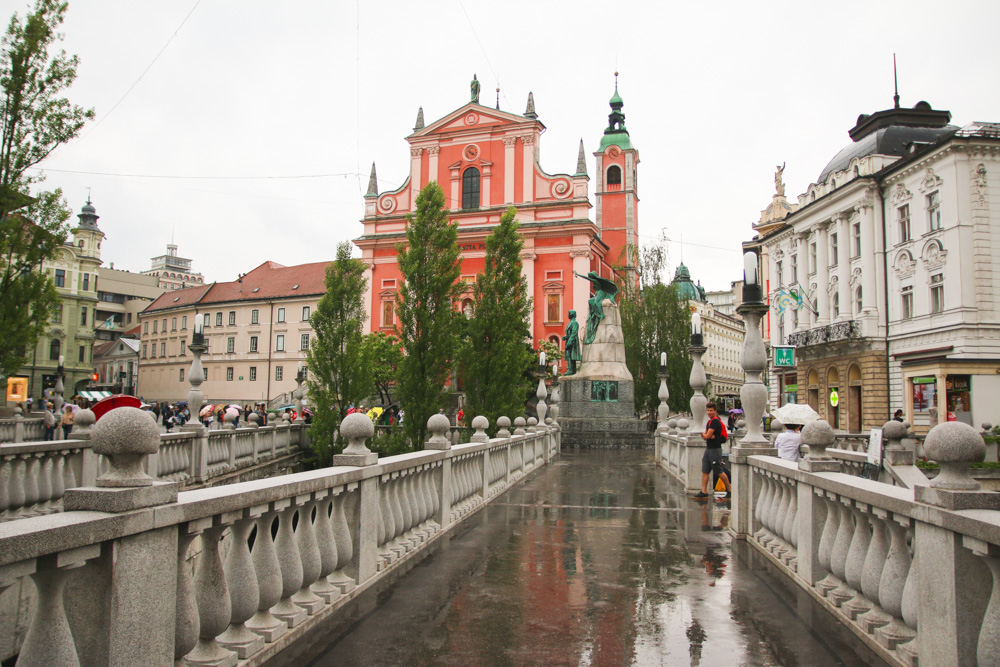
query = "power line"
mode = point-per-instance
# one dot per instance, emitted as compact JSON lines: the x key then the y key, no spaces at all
{"x":188,"y":177}
{"x":481,"y":48}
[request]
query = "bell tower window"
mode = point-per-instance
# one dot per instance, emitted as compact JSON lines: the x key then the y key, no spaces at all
{"x":614,"y":175}
{"x":470,"y":188}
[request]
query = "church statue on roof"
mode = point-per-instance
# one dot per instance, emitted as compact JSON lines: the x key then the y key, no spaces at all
{"x":474,"y":88}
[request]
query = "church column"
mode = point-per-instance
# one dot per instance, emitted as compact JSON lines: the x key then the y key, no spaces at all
{"x":866,"y":209}
{"x":508,"y":169}
{"x":844,"y":266}
{"x":802,"y":275}
{"x":581,"y":288}
{"x":487,"y":172}
{"x":432,"y":166}
{"x":528,"y":271}
{"x":529,"y":168}
{"x":414,"y":176}
{"x":822,"y":274}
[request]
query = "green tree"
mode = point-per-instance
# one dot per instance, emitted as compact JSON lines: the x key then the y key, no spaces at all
{"x":340,"y":372}
{"x":426,"y":319}
{"x":384,"y":353}
{"x":36,"y":119}
{"x":655,"y":319}
{"x":496,"y":355}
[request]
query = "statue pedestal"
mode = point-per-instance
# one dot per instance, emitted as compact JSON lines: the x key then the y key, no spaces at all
{"x":597,"y":407}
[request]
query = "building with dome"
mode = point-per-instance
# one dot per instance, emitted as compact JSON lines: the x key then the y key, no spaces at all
{"x":70,"y":331}
{"x":723,"y":334}
{"x":487,"y":160}
{"x":865,"y":275}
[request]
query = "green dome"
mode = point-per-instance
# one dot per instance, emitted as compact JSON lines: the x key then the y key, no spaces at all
{"x":685,"y":287}
{"x":616,"y":98}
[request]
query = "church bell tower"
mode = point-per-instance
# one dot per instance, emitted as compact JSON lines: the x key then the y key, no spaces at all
{"x":617,"y":190}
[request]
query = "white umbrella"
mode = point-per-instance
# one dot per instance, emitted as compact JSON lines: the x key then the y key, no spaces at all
{"x":795,"y":413}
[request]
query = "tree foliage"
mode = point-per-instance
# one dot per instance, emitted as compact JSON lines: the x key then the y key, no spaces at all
{"x":431,"y":264}
{"x":497,"y":355}
{"x":36,"y":119}
{"x":340,"y":373}
{"x":384,"y":354}
{"x":656,"y":319}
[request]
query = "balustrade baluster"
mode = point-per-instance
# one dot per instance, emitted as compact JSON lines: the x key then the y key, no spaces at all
{"x":58,"y":473}
{"x":186,"y":624}
{"x":408,"y":505}
{"x":988,"y":646}
{"x":420,"y":496}
{"x":871,"y":576}
{"x":49,"y":640}
{"x":291,"y":569}
{"x":910,"y":610}
{"x":5,"y":486}
{"x":345,"y":544}
{"x":778,"y":493}
{"x":778,"y":519}
{"x":789,"y":529}
{"x":399,"y":545}
{"x":16,"y":498}
{"x":214,"y":606}
{"x":305,"y":535}
{"x":838,"y":559}
{"x":388,"y":524}
{"x":427,"y":490}
{"x":30,"y":484}
{"x":269,"y":581}
{"x":763,"y":498}
{"x":327,"y":548}
{"x":45,"y":465}
{"x":244,"y":593}
{"x":70,"y":480}
{"x":830,"y":527}
{"x":856,"y":556}
{"x":891,"y":584}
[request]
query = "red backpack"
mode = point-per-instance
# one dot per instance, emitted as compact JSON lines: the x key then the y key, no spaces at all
{"x":723,"y":425}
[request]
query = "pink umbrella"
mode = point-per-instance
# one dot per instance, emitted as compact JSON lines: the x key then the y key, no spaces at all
{"x":235,"y":412}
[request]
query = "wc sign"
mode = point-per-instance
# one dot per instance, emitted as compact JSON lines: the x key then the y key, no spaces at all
{"x":784,"y":357}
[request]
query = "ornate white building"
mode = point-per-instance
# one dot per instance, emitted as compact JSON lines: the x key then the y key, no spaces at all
{"x":174,"y":272}
{"x":866,"y":276}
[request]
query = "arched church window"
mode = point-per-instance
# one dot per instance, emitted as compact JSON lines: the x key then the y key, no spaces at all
{"x":470,"y":188}
{"x":614,"y":175}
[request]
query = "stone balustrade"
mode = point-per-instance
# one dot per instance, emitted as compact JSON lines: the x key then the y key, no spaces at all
{"x":34,"y":475}
{"x":22,"y":429}
{"x":914,"y":572}
{"x":233,"y":574}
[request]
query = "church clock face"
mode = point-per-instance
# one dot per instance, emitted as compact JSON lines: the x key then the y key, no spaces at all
{"x":471,"y":152}
{"x":614,"y":152}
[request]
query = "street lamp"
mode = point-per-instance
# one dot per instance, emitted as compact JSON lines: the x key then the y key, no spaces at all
{"x":196,"y":375}
{"x":541,"y":408}
{"x":300,"y":378}
{"x":753,"y":394}
{"x":698,"y":380}
{"x":663,"y":394}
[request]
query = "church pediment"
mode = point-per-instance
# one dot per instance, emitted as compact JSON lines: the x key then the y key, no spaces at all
{"x":472,"y":116}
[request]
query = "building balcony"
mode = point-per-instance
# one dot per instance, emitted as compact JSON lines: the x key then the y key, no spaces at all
{"x":830,"y":333}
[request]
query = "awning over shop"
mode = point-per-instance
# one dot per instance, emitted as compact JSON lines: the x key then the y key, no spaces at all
{"x":94,"y":395}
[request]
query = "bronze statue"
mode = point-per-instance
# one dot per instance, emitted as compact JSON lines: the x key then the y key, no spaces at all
{"x":572,"y":353}
{"x":603,"y":289}
{"x":474,"y":87}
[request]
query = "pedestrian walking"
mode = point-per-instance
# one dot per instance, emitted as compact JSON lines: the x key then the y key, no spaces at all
{"x":67,"y":421}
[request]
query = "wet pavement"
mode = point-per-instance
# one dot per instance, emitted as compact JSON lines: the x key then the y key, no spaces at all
{"x":599,"y":559}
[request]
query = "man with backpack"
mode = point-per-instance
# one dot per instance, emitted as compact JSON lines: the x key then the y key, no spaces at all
{"x":714,"y":436}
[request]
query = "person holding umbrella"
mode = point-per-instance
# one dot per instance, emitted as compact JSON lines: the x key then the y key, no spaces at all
{"x":789,"y":442}
{"x":793,"y":416}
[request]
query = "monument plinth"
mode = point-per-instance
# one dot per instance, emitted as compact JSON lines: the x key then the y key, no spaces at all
{"x":597,"y":406}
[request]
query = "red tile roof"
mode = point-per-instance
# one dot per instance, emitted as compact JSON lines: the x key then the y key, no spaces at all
{"x":270,"y":280}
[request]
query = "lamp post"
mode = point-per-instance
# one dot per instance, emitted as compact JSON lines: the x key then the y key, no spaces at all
{"x":541,"y":393}
{"x":663,"y":395}
{"x":698,"y":379}
{"x":196,"y":375}
{"x":60,"y":387}
{"x":300,"y":378}
{"x":753,"y":393}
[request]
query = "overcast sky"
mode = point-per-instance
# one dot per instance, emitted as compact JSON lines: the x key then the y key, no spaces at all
{"x":226,"y":108}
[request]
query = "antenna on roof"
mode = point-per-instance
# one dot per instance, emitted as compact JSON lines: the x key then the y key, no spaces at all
{"x":895,"y":83}
{"x":498,"y":98}
{"x":88,"y":194}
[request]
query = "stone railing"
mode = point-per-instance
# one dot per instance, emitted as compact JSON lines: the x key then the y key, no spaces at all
{"x":914,"y":572}
{"x":35,"y":475}
{"x":19,"y":429}
{"x":826,"y":334}
{"x":233,"y":574}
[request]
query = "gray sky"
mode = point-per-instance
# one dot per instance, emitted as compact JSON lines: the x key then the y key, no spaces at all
{"x":716,"y":95}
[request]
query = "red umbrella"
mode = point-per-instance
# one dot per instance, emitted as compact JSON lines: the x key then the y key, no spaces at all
{"x":115,"y":401}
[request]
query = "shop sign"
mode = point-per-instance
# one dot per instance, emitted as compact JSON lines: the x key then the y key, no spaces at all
{"x":17,"y":389}
{"x":925,"y":380}
{"x":834,"y":398}
{"x":791,"y":387}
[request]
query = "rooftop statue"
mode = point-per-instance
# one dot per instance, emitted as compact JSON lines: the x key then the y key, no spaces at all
{"x":779,"y":185}
{"x":603,"y":289}
{"x":474,"y":88}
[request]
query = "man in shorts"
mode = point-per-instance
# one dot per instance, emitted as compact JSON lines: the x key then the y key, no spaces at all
{"x":712,"y":458}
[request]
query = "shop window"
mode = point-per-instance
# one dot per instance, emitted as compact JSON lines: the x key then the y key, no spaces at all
{"x":924,"y":391}
{"x":959,"y":388}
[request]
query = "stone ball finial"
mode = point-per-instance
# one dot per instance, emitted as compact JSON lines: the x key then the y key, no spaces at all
{"x":894,"y":430}
{"x":776,"y":426}
{"x":438,"y":425}
{"x":683,"y":424}
{"x":83,"y":422}
{"x":480,"y":424}
{"x":285,"y":417}
{"x":741,"y":424}
{"x":271,"y":416}
{"x":987,"y":426}
{"x":532,"y":422}
{"x":17,"y":412}
{"x":672,"y":423}
{"x":519,"y":424}
{"x":954,"y":446}
{"x":254,"y":420}
{"x":125,"y":436}
{"x":356,"y":428}
{"x":818,"y":435}
{"x":503,"y":424}
{"x":549,"y":421}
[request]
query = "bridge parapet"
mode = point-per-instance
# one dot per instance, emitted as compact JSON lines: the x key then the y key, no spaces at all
{"x":234,"y":574}
{"x":914,"y":572}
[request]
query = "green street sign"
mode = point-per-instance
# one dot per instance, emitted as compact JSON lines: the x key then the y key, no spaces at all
{"x":784,"y":357}
{"x":241,"y":377}
{"x":834,"y":398}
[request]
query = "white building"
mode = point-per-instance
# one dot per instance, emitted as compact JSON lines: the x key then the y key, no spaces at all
{"x":174,"y":272}
{"x":866,"y":275}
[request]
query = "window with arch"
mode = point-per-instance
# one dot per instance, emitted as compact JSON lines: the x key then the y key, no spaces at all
{"x":55,"y":349}
{"x":836,"y":305}
{"x":858,"y":301}
{"x":614,"y":175}
{"x":470,"y":188}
